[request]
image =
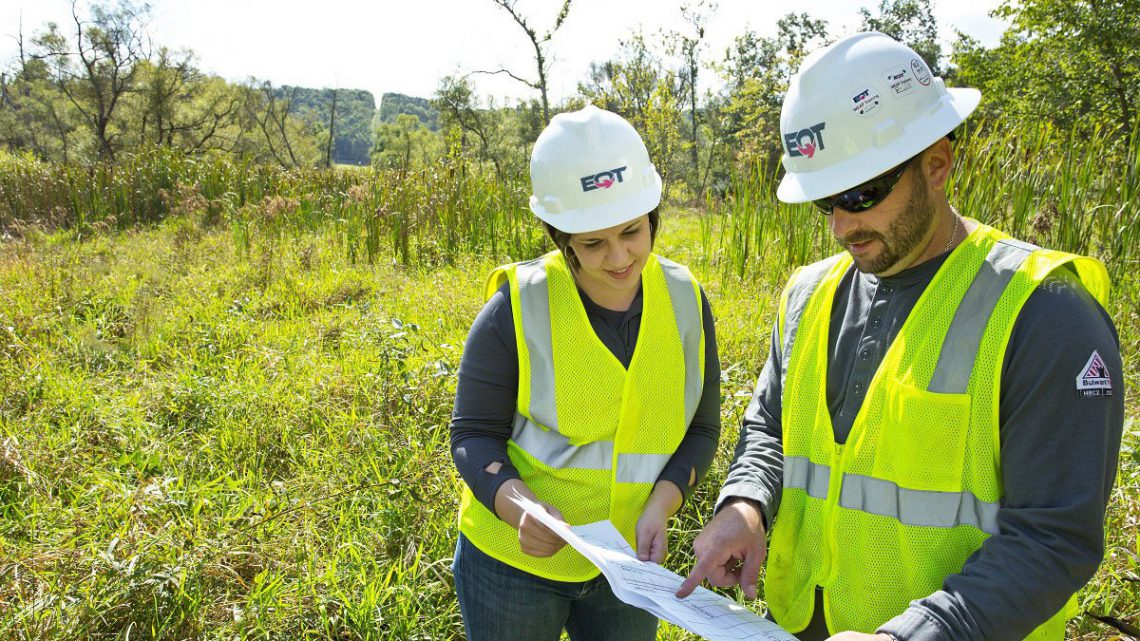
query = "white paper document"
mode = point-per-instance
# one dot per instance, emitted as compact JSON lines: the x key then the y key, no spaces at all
{"x":651,"y":587}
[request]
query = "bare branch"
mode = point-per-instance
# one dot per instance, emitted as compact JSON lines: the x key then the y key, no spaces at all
{"x":526,"y":82}
{"x":541,"y":62}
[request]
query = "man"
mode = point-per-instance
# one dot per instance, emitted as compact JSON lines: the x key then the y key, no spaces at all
{"x":934,"y":436}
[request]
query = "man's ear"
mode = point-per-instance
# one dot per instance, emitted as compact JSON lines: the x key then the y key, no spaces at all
{"x":937,"y":161}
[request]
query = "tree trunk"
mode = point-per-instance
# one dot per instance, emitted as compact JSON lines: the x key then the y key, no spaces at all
{"x":332,"y":132}
{"x":1122,"y":98}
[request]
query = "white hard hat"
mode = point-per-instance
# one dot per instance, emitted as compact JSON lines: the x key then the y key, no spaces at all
{"x":590,"y":170}
{"x":857,"y":108}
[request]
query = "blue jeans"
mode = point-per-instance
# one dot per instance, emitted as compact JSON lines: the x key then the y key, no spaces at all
{"x":502,"y":603}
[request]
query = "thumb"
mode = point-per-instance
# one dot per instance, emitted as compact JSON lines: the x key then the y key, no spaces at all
{"x":660,"y":547}
{"x":553,"y":511}
{"x":644,"y":546}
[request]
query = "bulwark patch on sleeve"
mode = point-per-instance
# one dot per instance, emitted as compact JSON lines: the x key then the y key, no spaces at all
{"x":1094,"y":379}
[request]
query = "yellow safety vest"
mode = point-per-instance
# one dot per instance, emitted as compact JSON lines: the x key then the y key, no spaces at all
{"x":916,"y":488}
{"x":590,"y":437}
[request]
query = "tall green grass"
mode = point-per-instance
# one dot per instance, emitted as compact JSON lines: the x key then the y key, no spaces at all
{"x":424,"y":215}
{"x":1068,"y":191}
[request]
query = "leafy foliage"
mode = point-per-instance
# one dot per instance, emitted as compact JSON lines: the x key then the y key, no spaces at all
{"x":394,"y":104}
{"x":758,"y":71}
{"x":910,"y":22}
{"x":1073,"y":64}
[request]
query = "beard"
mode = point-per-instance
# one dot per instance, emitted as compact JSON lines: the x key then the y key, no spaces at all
{"x":903,"y":236}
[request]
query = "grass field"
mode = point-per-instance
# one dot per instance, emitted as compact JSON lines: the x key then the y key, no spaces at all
{"x":217,"y":432}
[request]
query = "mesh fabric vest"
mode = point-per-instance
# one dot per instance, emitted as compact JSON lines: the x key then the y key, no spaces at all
{"x":589,"y":436}
{"x":915,"y":490}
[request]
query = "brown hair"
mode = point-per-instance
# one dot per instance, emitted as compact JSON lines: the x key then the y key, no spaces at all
{"x":562,"y":239}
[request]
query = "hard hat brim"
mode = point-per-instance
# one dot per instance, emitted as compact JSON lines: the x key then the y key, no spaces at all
{"x":802,"y":187}
{"x":602,"y":216}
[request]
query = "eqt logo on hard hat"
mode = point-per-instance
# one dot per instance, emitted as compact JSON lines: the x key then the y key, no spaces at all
{"x":603,"y":180}
{"x":805,"y":142}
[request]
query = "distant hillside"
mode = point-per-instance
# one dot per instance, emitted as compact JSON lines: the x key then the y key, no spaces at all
{"x":394,"y":104}
{"x":354,"y":111}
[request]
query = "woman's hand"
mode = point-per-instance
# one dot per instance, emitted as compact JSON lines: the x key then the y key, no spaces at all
{"x":535,"y":538}
{"x":653,"y":525}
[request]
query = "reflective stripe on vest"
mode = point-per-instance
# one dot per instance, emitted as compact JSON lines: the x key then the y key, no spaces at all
{"x":690,"y":324}
{"x":883,"y":498}
{"x":554,"y":450}
{"x":535,"y":307}
{"x":799,"y":291}
{"x":960,"y":349}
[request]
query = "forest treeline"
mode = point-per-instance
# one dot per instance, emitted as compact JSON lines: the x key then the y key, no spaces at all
{"x":100,"y":87}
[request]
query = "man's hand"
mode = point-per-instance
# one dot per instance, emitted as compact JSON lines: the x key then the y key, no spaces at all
{"x":652,"y":526}
{"x":534,"y":538}
{"x":730,"y":550}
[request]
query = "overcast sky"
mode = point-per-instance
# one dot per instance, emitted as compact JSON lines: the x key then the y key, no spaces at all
{"x":406,"y":46}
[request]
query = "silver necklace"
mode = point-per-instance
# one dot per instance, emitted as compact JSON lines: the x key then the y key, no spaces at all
{"x":953,"y":233}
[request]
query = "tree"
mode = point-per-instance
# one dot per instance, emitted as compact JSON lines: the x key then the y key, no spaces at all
{"x":210,"y":117}
{"x":1075,"y":64}
{"x":912,"y":23}
{"x":344,"y":118}
{"x":34,"y":115}
{"x":626,"y":84}
{"x":394,"y":104}
{"x":102,"y":67}
{"x":689,"y":47}
{"x":459,"y":109}
{"x":405,"y":142}
{"x":542,"y":63}
{"x":332,"y":131}
{"x":663,"y":127}
{"x":285,"y":138}
{"x":176,"y":105}
{"x":758,"y":71}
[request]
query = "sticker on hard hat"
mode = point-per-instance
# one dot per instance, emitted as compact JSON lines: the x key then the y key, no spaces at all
{"x":920,"y":72}
{"x":603,"y":180}
{"x":900,"y":81}
{"x":805,"y":142}
{"x":866,"y":102}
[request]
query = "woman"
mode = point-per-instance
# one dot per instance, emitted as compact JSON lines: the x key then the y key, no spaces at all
{"x":590,"y":384}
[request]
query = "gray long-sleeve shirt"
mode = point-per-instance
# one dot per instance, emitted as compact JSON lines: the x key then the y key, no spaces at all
{"x":1058,"y":450}
{"x":487,"y":392}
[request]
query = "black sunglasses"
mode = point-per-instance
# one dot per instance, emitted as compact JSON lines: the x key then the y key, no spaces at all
{"x":865,"y":196}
